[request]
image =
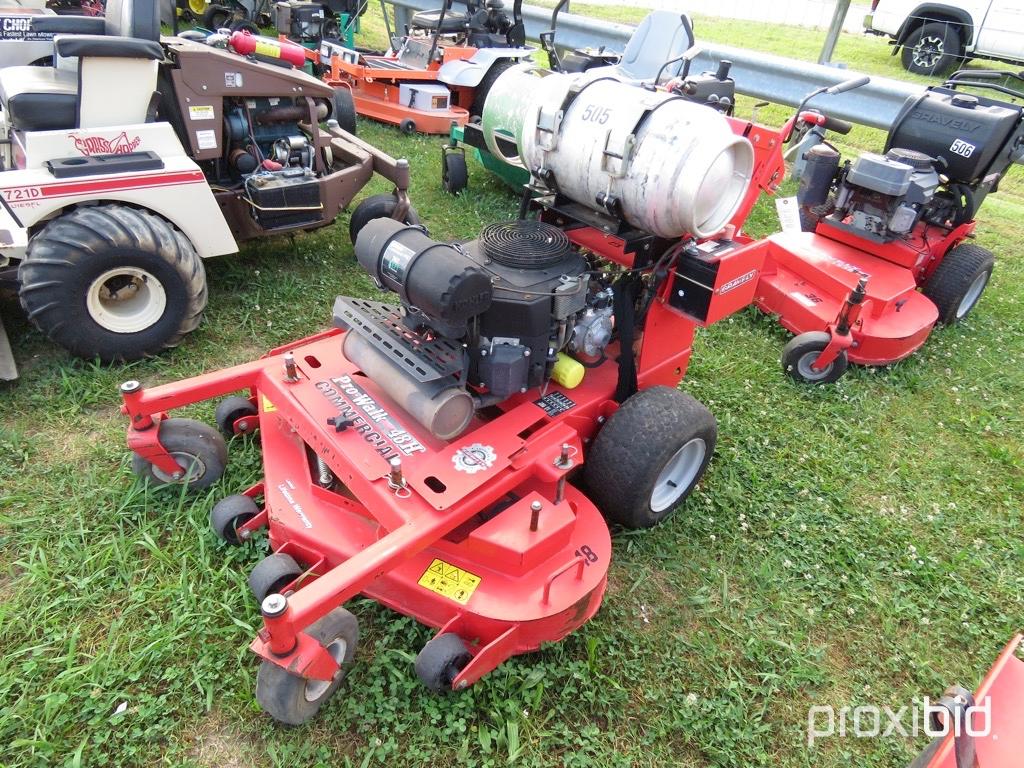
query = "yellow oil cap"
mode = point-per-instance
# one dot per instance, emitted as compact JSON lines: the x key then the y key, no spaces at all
{"x":567,"y":372}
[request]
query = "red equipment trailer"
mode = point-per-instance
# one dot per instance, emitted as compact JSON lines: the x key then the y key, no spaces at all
{"x":886,"y":253}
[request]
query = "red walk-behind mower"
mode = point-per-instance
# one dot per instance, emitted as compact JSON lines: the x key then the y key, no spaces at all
{"x":983,"y":730}
{"x":889,"y":252}
{"x":432,"y":455}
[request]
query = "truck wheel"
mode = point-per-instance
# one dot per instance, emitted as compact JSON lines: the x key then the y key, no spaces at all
{"x":932,"y":49}
{"x":198,"y":448}
{"x":291,"y":699}
{"x":799,"y":354}
{"x":956,"y":285}
{"x":112,"y":282}
{"x":344,"y":110}
{"x":377,"y":207}
{"x":476,"y":108}
{"x":649,"y":456}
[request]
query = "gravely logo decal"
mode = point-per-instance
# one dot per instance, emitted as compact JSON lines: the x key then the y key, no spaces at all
{"x":374,"y":424}
{"x":97,"y":145}
{"x":736,"y":282}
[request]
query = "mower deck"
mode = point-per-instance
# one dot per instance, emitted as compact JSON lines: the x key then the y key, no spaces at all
{"x":808,"y":277}
{"x":456,"y":542}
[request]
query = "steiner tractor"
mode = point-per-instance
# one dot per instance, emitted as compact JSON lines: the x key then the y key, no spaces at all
{"x":458,"y":456}
{"x":437,"y":74}
{"x":121,"y":199}
{"x":888,"y":254}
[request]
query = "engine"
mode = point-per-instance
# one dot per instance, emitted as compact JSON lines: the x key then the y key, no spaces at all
{"x":480,"y":321}
{"x":272,"y":158}
{"x":945,"y":152}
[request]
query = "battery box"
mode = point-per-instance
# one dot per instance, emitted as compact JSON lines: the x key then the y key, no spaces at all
{"x":427,"y":97}
{"x":287,"y":198}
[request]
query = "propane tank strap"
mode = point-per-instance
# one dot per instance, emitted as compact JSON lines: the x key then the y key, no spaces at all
{"x":626,"y":289}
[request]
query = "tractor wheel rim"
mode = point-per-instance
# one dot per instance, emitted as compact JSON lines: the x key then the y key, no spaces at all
{"x":315,"y":689}
{"x":804,"y":366}
{"x":678,"y":474}
{"x":928,"y":52}
{"x":192,"y":467}
{"x":126,"y":300}
{"x":973,"y":294}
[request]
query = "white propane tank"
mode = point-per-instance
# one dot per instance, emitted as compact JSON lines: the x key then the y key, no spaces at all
{"x":666,"y":165}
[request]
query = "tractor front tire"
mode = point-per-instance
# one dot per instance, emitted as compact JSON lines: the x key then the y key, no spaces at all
{"x":291,"y":699}
{"x":377,"y":207}
{"x":198,"y":448}
{"x":112,"y":282}
{"x":956,"y":285}
{"x":799,"y":354}
{"x":649,"y":456}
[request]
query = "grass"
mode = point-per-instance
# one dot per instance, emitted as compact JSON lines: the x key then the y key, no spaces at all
{"x":858,"y":544}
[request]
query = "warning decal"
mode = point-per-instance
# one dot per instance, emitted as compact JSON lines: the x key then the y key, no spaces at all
{"x":451,"y":582}
{"x":267,"y":405}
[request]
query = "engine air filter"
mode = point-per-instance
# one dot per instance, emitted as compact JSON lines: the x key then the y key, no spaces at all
{"x":525,"y":244}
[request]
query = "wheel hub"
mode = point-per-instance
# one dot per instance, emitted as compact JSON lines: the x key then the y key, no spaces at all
{"x":677,"y":474}
{"x":928,"y":52}
{"x":126,"y":300}
{"x":805,"y":366}
{"x":973,"y":294}
{"x":316,"y":688}
{"x":190,"y":465}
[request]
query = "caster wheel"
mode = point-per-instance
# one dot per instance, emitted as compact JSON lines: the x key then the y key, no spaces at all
{"x":454,"y":174}
{"x":272,"y":574}
{"x":441,"y":660}
{"x":230,"y":410}
{"x":377,"y":207}
{"x":228,"y":514}
{"x":407,"y":126}
{"x":800,"y":353}
{"x":291,"y":699}
{"x":198,"y":448}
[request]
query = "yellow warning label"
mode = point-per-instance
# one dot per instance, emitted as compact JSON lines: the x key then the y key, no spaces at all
{"x":451,"y":582}
{"x":267,"y":405}
{"x":201,"y":112}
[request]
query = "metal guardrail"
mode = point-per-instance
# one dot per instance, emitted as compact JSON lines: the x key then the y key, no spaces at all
{"x":760,"y":75}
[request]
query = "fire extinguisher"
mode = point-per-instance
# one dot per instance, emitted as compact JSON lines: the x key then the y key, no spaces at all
{"x":248,"y":44}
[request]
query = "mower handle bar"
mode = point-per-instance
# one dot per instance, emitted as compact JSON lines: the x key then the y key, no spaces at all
{"x":848,"y":85}
{"x":960,"y":78}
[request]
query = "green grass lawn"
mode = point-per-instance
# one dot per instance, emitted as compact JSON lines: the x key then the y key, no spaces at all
{"x":860,"y":544}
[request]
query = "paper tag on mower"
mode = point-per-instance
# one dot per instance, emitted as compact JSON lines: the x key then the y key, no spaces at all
{"x":789,"y":213}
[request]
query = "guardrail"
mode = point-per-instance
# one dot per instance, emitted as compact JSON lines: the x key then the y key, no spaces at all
{"x":760,"y":75}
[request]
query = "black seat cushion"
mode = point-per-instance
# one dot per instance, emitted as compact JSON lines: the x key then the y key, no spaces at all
{"x":453,"y":21}
{"x":39,"y":98}
{"x":69,"y":25}
{"x":108,"y":47}
{"x":133,"y":18}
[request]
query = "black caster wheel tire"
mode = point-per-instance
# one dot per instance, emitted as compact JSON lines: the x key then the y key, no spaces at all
{"x":649,"y":456}
{"x":272,"y":574}
{"x":407,"y":126}
{"x":377,"y":207}
{"x":230,"y":410}
{"x":344,"y":110}
{"x":291,"y":699}
{"x":198,"y":448}
{"x":441,"y":660}
{"x":454,"y":173}
{"x":800,"y":353}
{"x":229,"y":513}
{"x":956,"y":285}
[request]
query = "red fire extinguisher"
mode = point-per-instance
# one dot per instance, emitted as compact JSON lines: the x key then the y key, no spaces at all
{"x":248,"y":44}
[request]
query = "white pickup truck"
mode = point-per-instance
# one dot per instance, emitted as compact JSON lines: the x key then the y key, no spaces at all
{"x":934,"y":37}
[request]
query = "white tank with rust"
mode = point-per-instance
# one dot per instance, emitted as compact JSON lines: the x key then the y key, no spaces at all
{"x":666,"y":165}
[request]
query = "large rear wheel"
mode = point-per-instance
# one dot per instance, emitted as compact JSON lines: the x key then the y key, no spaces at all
{"x":112,"y":282}
{"x":956,"y":285}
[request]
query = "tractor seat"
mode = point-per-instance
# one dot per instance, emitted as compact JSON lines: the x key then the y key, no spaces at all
{"x":39,"y":98}
{"x":454,"y":21}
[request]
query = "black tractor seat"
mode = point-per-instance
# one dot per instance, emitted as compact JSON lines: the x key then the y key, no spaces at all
{"x":454,"y":21}
{"x":39,"y":98}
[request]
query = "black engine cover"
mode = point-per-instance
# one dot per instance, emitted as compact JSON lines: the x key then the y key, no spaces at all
{"x":969,"y":132}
